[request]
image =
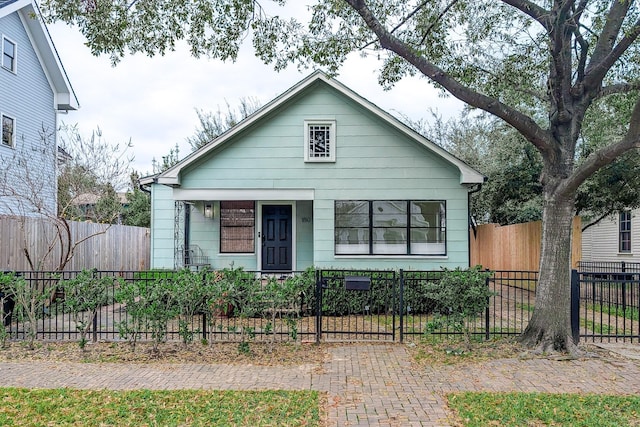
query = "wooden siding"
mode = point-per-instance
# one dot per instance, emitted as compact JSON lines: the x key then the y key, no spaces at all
{"x":28,"y":97}
{"x":516,"y":246}
{"x":374,"y":161}
{"x":162,"y":227}
{"x":121,"y":248}
{"x":600,"y":242}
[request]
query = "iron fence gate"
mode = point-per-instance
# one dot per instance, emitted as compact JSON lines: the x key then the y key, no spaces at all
{"x":356,"y":305}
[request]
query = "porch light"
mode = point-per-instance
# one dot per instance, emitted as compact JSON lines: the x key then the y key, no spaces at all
{"x":208,"y":210}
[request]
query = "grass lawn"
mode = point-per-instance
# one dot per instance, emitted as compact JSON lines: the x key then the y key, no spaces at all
{"x":70,"y":407}
{"x":542,"y":409}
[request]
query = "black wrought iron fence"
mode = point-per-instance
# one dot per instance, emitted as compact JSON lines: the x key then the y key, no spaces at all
{"x":609,"y":306}
{"x":330,"y":305}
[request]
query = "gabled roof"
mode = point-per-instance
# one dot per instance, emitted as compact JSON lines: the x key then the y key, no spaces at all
{"x":171,"y":176}
{"x":65,"y":97}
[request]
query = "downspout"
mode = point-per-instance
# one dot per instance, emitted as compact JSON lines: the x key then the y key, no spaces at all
{"x":477,"y":188}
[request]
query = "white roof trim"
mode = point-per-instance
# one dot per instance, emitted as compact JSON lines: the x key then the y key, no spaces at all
{"x":65,"y":97}
{"x":265,"y":194}
{"x":468,"y":175}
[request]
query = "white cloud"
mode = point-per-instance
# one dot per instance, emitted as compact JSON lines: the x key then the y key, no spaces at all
{"x":152,"y":101}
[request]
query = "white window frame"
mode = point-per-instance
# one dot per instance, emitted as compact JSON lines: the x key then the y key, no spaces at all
{"x":624,"y":231}
{"x":308,"y":154}
{"x":369,"y":243}
{"x":13,"y":136}
{"x":14,"y":68}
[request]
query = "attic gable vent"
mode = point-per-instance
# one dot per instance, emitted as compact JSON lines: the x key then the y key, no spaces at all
{"x":320,"y":141}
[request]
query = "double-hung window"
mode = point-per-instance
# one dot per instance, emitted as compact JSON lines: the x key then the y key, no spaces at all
{"x":237,"y":227}
{"x":624,"y":232}
{"x":8,"y":131}
{"x":9,"y":50}
{"x":390,"y":227}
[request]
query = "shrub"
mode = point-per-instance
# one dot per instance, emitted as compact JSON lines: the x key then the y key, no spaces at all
{"x":460,"y":296}
{"x":83,"y":296}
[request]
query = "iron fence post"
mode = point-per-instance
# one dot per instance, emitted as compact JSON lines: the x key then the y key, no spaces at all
{"x":487,"y":332}
{"x":401,"y":307}
{"x":318,"y":306}
{"x":575,"y":306}
{"x":624,"y":288}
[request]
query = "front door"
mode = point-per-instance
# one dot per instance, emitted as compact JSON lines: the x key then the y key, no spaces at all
{"x":277,"y":241}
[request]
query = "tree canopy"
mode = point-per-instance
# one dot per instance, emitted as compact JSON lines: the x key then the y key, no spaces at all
{"x":544,"y":67}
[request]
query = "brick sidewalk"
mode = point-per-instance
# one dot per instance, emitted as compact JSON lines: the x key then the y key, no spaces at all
{"x":367,"y":385}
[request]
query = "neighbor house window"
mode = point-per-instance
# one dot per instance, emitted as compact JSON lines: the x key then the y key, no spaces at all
{"x":320,"y":141}
{"x":8,"y":131}
{"x":624,"y":235}
{"x":237,"y":226}
{"x":8,"y":54}
{"x":390,"y":227}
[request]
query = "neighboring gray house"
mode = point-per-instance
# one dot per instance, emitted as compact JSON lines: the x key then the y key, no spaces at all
{"x":35,"y":88}
{"x":318,"y":177}
{"x":614,"y":239}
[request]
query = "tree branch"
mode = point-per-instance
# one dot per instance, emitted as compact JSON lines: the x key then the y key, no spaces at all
{"x":605,"y":54}
{"x":605,"y":155}
{"x":618,"y":88}
{"x":534,"y":11}
{"x":440,"y":15}
{"x":539,"y":137}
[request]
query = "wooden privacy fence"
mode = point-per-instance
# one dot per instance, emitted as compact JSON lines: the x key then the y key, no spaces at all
{"x":516,"y":246}
{"x":119,"y":248}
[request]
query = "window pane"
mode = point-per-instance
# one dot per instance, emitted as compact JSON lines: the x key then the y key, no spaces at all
{"x":352,"y":213}
{"x":8,"y":54}
{"x":237,"y":227}
{"x":390,"y":240}
{"x":428,"y":228}
{"x":624,"y":235}
{"x":352,"y":241}
{"x":390,"y":214}
{"x":352,"y":227}
{"x":319,"y":141}
{"x":7,"y":131}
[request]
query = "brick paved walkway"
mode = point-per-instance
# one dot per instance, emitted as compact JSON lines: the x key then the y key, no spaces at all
{"x":367,"y":385}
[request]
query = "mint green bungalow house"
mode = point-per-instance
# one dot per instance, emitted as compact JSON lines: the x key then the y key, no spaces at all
{"x":318,"y":177}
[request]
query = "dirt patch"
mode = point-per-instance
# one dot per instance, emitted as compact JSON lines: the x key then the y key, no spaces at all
{"x":264,"y":354}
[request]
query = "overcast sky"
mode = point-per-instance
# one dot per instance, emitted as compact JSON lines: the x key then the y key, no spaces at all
{"x":152,"y":101}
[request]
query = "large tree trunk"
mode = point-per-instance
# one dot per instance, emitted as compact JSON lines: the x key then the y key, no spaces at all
{"x":550,"y":326}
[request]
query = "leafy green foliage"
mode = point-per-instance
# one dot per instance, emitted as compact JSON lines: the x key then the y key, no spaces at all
{"x":191,"y":294}
{"x":150,"y":305}
{"x":460,"y":296}
{"x":83,"y":296}
{"x":137,"y":211}
{"x":30,"y":300}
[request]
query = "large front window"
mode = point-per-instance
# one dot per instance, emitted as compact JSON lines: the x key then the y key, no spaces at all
{"x":390,"y":227}
{"x":237,"y":226}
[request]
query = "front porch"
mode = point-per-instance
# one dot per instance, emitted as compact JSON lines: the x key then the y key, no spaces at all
{"x":263,"y":235}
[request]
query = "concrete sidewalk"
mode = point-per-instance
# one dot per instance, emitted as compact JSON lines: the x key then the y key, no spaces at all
{"x":367,"y":385}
